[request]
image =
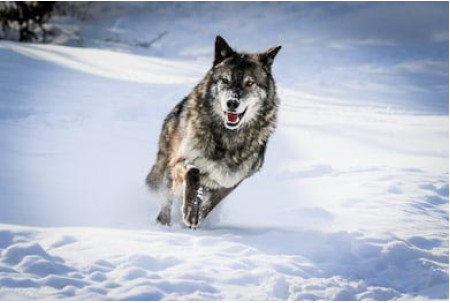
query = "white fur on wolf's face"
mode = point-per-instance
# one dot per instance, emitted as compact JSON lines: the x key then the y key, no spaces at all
{"x":249,"y":102}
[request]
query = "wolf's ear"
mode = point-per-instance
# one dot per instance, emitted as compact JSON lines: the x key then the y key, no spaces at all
{"x":222,"y":50}
{"x":268,"y":56}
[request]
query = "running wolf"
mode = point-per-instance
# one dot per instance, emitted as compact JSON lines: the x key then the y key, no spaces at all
{"x":216,"y":137}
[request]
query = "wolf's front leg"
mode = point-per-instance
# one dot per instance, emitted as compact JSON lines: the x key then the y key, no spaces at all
{"x":192,"y":198}
{"x":214,"y":198}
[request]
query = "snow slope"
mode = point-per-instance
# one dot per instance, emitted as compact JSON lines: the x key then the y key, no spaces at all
{"x":352,"y":202}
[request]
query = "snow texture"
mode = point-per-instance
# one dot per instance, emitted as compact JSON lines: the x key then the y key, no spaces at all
{"x":352,"y":202}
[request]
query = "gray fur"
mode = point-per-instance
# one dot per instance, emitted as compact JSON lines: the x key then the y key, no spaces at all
{"x":198,"y":133}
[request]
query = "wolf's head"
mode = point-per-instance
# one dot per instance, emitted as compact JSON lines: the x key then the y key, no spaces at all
{"x":241,"y":84}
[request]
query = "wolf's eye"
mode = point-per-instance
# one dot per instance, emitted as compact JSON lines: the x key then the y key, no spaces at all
{"x":249,"y":83}
{"x":224,"y":81}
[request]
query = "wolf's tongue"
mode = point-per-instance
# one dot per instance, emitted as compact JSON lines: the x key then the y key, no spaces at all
{"x":232,"y":117}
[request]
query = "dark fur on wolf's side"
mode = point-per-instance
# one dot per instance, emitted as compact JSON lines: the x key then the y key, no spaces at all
{"x":216,"y":137}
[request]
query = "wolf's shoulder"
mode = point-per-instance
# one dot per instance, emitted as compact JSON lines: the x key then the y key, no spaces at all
{"x":178,"y":109}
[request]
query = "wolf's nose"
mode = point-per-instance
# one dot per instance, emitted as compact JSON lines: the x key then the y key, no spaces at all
{"x":232,"y":104}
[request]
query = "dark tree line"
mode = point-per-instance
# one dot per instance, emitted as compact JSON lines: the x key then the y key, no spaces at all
{"x":24,"y":20}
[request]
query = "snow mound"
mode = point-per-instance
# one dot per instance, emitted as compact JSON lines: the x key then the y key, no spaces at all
{"x":225,"y":264}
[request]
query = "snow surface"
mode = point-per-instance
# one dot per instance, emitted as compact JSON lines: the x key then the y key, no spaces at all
{"x":352,"y":202}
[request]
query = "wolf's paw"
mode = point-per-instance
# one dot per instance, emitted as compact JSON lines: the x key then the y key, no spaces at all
{"x":191,"y":217}
{"x":163,"y":218}
{"x":191,"y":210}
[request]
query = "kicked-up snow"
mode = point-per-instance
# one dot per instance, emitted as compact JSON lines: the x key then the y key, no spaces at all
{"x":351,"y":204}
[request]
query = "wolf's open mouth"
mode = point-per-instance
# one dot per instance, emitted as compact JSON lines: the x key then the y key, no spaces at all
{"x":233,"y":119}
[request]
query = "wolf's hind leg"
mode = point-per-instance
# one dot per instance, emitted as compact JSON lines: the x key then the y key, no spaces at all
{"x":164,"y":214}
{"x":192,"y":198}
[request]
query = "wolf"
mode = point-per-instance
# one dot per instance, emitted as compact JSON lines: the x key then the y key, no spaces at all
{"x":216,"y":137}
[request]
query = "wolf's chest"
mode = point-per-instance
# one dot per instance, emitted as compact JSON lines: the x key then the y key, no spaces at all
{"x":220,"y":165}
{"x":216,"y":174}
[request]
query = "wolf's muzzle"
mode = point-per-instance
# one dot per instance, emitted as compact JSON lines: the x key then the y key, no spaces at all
{"x":232,"y":104}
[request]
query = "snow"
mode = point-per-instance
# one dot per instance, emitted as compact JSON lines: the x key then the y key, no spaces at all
{"x":352,"y":202}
